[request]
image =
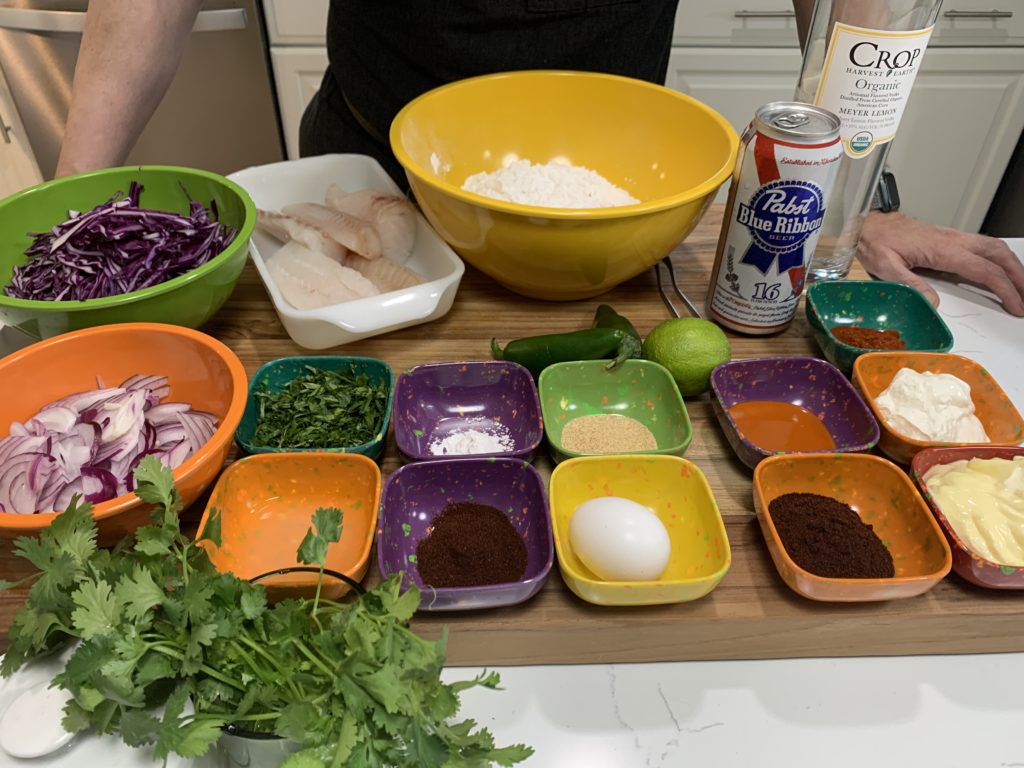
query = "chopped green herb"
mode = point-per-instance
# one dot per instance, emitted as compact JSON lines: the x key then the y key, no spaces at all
{"x":321,"y":409}
{"x":157,"y":626}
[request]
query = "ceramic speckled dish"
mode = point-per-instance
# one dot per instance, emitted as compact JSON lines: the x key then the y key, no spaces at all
{"x":677,"y":492}
{"x":190,"y":299}
{"x":266,"y":503}
{"x":876,"y":304}
{"x":966,"y":562}
{"x":874,"y":372}
{"x":417,"y":493}
{"x":277,"y":374}
{"x":807,"y":382}
{"x":639,"y":389}
{"x":435,"y":401}
{"x":883,"y":496}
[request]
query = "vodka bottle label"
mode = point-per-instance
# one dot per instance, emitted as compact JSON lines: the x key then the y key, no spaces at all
{"x":866,"y":81}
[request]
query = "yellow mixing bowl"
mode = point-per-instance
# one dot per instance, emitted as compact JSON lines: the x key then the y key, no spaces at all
{"x":666,"y":149}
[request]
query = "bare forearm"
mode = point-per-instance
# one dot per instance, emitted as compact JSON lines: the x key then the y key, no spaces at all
{"x":130,"y":52}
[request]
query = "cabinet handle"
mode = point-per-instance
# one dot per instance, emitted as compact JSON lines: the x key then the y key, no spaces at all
{"x":765,"y":14}
{"x":5,"y":130}
{"x":954,"y":14}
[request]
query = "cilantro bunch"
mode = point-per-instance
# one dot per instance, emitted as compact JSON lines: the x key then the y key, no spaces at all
{"x":169,"y":650}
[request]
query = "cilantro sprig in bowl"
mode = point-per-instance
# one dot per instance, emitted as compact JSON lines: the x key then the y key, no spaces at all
{"x":157,"y":626}
{"x":318,"y":403}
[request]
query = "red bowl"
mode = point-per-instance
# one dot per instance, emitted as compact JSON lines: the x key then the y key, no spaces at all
{"x":966,"y":562}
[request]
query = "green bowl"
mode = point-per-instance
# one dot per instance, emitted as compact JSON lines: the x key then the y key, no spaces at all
{"x":189,"y":300}
{"x":278,"y":373}
{"x":640,"y":389}
{"x":877,"y":304}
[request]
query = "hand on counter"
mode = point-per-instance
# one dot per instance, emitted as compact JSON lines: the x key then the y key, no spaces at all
{"x":891,"y":245}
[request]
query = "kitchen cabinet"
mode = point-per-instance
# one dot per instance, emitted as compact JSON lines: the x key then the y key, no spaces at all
{"x":297,"y":72}
{"x":958,"y":133}
{"x":18,"y":168}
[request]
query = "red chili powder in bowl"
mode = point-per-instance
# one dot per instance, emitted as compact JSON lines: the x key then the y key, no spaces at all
{"x":868,"y":338}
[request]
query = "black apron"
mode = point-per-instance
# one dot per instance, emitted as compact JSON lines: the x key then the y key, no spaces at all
{"x":384,"y":53}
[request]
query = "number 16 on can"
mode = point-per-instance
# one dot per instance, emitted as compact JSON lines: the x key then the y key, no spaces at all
{"x":788,"y":161}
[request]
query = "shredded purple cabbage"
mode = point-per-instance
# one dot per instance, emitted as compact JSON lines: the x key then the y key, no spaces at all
{"x":117,"y":248}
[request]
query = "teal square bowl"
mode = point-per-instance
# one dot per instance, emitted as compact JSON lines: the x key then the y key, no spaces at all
{"x":639,"y":389}
{"x":877,"y":304}
{"x":278,"y":373}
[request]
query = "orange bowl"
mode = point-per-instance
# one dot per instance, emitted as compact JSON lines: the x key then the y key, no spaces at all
{"x":873,"y":373}
{"x":883,"y":496}
{"x":200,"y":370}
{"x":266,"y":504}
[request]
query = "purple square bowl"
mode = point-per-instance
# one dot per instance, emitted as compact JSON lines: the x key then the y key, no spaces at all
{"x":808,"y":382}
{"x":416,"y":493}
{"x":437,"y":400}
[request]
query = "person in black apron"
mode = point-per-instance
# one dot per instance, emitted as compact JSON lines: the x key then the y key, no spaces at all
{"x":385,"y":53}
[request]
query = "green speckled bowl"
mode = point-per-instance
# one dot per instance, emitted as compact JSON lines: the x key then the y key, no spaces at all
{"x":189,"y":300}
{"x":877,"y":304}
{"x":640,"y":389}
{"x":278,"y":373}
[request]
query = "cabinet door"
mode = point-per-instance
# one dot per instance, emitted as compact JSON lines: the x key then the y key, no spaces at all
{"x":734,"y":81}
{"x":962,"y":122}
{"x":18,"y":168}
{"x":292,"y":23}
{"x":956,"y":138}
{"x":297,"y":72}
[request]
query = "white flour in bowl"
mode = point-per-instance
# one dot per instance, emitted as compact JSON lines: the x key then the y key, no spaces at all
{"x":554,"y":185}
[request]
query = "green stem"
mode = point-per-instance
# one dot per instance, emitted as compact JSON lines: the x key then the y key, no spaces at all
{"x":313,"y":658}
{"x":271,"y":660}
{"x":170,"y":652}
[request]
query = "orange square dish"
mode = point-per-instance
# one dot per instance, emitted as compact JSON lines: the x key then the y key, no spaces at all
{"x":874,"y":371}
{"x":266,"y":504}
{"x":883,"y":496}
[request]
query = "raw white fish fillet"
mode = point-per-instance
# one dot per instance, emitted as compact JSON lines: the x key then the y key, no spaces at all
{"x":386,"y":274}
{"x":393,"y":216}
{"x":352,"y":232}
{"x":286,"y":228}
{"x":309,"y":280}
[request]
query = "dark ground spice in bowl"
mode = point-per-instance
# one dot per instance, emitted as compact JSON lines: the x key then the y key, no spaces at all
{"x":471,"y":545}
{"x":868,"y":338}
{"x":827,"y":538}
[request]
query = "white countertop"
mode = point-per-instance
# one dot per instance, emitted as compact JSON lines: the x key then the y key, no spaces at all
{"x":934,"y":711}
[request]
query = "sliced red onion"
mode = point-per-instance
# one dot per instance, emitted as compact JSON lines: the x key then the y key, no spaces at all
{"x":89,"y":443}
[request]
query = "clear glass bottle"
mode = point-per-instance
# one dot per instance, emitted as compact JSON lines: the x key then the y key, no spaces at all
{"x":860,"y":61}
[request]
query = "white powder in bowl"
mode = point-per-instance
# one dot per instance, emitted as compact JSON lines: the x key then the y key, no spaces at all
{"x":554,"y":185}
{"x":491,"y":438}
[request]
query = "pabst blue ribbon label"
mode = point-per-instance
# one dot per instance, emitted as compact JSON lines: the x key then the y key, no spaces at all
{"x":779,"y":206}
{"x":781,"y":216}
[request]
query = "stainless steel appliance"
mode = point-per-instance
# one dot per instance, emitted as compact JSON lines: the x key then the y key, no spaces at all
{"x":219,"y":112}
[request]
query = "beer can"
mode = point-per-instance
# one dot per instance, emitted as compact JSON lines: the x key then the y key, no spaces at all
{"x":785,"y":170}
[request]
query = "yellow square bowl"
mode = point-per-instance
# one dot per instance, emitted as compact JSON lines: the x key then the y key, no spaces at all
{"x":266,"y":504}
{"x":883,"y":496}
{"x":677,"y":492}
{"x":873,"y":373}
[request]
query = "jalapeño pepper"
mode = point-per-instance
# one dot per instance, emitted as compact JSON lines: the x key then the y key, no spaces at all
{"x":606,"y":317}
{"x":536,"y":353}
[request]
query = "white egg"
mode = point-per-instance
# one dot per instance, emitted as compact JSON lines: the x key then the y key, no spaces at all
{"x":619,"y":540}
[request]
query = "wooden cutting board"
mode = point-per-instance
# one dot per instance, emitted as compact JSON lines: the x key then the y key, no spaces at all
{"x":750,"y":615}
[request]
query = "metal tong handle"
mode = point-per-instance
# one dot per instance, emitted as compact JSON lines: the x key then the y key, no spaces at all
{"x":675,"y":286}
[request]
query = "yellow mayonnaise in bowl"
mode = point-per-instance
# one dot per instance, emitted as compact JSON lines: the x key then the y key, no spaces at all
{"x":666,"y":149}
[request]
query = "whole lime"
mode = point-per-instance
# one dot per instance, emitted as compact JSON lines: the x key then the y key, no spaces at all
{"x":690,"y":348}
